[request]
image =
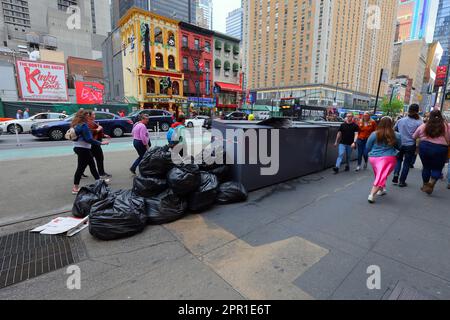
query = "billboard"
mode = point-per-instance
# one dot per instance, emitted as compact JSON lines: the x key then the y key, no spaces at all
{"x":441,"y":73}
{"x":89,"y":92}
{"x":42,"y":81}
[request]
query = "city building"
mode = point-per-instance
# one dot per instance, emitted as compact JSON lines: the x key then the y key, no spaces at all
{"x":435,"y":52}
{"x":410,"y":60}
{"x":184,"y":10}
{"x":416,"y":19}
{"x":441,"y":32}
{"x":53,"y":24}
{"x":234,"y":23}
{"x":196,"y":59}
{"x":204,"y":14}
{"x":150,"y":60}
{"x":113,"y":68}
{"x":227,"y":72}
{"x":337,"y":48}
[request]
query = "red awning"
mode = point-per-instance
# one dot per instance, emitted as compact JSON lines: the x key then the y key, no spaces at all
{"x":229,"y":86}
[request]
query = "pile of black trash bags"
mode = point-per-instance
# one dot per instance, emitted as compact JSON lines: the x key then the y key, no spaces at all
{"x":162,"y":193}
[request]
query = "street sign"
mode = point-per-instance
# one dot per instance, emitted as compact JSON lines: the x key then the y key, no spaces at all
{"x":216,"y":90}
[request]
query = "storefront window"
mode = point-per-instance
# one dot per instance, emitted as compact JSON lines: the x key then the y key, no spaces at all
{"x":171,"y":39}
{"x":151,"y":86}
{"x":159,"y":60}
{"x":158,"y":35}
{"x":171,"y":62}
{"x":176,"y":88}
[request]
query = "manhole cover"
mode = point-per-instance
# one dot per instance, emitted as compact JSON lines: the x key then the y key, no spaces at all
{"x":25,"y":255}
{"x":402,"y":291}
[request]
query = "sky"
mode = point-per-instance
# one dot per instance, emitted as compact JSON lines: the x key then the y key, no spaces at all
{"x":221,"y":8}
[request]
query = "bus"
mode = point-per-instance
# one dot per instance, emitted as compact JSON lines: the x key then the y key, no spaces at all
{"x":294,"y":109}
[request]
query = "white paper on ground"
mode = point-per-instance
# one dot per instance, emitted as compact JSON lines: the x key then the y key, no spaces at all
{"x":62,"y":225}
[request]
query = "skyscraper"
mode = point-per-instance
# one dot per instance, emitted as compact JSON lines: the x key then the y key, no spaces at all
{"x":234,"y":23}
{"x":442,"y":33}
{"x":204,"y":13}
{"x":176,"y":9}
{"x":321,"y":50}
{"x":416,"y":19}
{"x":45,"y":24}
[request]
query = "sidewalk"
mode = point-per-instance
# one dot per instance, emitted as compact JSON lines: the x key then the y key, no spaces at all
{"x":312,"y":238}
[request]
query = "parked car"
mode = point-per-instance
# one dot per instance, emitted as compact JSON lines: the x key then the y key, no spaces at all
{"x":157,"y":117}
{"x":24,"y":125}
{"x":198,"y":121}
{"x":112,"y":124}
{"x":237,"y":115}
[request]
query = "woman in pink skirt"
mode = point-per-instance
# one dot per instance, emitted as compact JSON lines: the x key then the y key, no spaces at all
{"x":383,"y":146}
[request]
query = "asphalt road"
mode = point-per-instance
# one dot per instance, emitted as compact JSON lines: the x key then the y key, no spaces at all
{"x":9,"y":141}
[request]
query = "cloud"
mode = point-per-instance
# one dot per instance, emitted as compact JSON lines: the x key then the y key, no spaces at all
{"x":221,"y":8}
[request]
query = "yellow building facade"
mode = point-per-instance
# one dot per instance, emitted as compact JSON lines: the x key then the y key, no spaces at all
{"x":150,"y":60}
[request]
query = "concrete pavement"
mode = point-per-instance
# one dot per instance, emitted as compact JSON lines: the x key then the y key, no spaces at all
{"x":311,"y":238}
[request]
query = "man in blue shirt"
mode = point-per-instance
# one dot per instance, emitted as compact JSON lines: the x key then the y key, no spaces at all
{"x":26,"y":114}
{"x":406,"y":127}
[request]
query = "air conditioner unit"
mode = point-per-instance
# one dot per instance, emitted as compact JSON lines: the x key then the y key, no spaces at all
{"x":33,"y":38}
{"x":50,"y":41}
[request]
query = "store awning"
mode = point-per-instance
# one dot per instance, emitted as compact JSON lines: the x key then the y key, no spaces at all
{"x":229,"y":87}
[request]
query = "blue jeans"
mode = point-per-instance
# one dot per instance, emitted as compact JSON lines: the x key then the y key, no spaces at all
{"x":344,"y":150}
{"x":434,"y":157}
{"x":362,"y":152}
{"x":405,"y":158}
{"x":141,"y":150}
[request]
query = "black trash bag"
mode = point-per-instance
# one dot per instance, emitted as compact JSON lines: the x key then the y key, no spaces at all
{"x":206,"y":194}
{"x":184,"y":179}
{"x":231,"y":192}
{"x":156,"y":162}
{"x":165,"y":208}
{"x":216,"y":158}
{"x":222,"y":172}
{"x":119,"y":216}
{"x":148,"y":187}
{"x":87,"y":197}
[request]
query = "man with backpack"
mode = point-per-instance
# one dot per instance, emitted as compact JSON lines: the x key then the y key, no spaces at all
{"x":176,"y":135}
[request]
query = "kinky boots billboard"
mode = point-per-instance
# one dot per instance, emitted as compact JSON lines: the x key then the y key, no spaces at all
{"x":42,"y":81}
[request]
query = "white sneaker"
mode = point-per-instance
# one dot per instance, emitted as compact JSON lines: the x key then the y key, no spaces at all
{"x":381,"y":193}
{"x":358,"y":168}
{"x":371,"y":198}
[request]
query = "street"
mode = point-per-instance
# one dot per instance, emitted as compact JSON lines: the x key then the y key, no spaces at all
{"x":311,"y":238}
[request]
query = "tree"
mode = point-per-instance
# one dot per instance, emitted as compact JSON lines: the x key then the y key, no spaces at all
{"x":392,"y":109}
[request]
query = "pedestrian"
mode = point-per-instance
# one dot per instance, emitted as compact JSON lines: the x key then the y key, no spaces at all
{"x":141,"y":140}
{"x":176,"y":133}
{"x":383,"y":146}
{"x":433,"y":149}
{"x":26,"y":114}
{"x":406,"y":157}
{"x":82,"y":148}
{"x":366,"y":127}
{"x":19,"y":114}
{"x":97,"y":151}
{"x":346,"y":140}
